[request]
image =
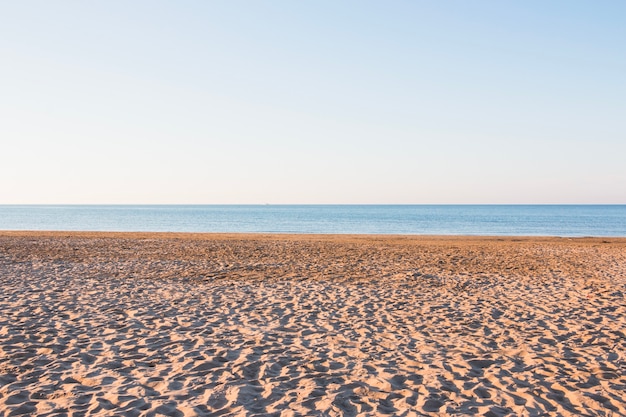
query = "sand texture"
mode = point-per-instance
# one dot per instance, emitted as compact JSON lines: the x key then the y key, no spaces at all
{"x":225,"y":325}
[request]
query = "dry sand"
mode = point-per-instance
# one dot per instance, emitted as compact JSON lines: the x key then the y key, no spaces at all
{"x":174,"y":324}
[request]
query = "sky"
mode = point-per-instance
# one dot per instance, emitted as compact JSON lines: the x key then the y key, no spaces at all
{"x":312,"y":102}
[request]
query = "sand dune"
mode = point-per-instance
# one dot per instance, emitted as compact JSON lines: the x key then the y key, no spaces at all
{"x":185,"y":325}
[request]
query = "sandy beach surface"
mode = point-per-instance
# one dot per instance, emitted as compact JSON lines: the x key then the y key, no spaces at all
{"x":210,"y":324}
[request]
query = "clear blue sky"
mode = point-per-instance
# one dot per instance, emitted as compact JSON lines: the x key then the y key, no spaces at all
{"x":312,"y":102}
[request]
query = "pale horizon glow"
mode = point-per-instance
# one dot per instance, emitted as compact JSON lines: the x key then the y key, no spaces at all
{"x":281,"y":102}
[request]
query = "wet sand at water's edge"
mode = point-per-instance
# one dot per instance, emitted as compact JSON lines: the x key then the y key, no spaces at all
{"x":216,"y":324}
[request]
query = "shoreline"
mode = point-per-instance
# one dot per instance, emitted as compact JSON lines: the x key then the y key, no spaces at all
{"x":280,"y":324}
{"x":253,"y":235}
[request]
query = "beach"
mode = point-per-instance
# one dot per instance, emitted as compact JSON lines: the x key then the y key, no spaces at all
{"x":251,"y":324}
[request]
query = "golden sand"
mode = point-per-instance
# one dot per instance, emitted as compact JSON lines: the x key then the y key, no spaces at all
{"x":212,"y":324}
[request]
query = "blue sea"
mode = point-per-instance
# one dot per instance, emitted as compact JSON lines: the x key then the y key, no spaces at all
{"x":503,"y":220}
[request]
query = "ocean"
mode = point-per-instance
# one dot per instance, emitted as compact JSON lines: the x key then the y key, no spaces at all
{"x":500,"y":220}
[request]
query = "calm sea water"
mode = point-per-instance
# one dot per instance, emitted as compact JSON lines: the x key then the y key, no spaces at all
{"x":530,"y":220}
